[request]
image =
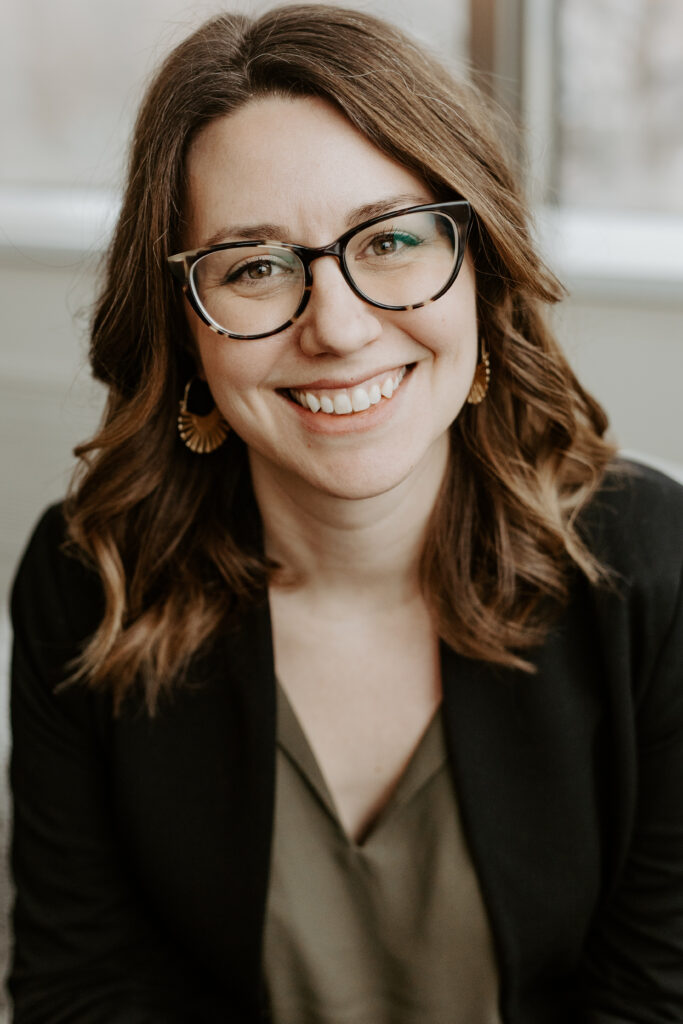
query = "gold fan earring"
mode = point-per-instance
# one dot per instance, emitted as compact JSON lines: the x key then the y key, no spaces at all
{"x":482,"y":377}
{"x":201,"y":431}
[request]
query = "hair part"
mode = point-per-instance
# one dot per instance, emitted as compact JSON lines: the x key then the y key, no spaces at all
{"x":175,"y":537}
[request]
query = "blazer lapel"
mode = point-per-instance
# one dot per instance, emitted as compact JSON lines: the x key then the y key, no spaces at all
{"x":523,"y":752}
{"x":194,"y":789}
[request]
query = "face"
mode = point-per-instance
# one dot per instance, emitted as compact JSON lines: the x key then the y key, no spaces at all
{"x":298,"y":166}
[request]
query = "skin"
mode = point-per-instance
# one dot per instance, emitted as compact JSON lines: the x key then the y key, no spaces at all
{"x":345,"y":500}
{"x":301,"y":165}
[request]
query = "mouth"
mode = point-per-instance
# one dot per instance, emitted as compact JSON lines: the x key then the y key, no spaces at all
{"x":346,"y":401}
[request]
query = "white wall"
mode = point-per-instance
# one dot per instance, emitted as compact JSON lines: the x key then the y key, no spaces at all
{"x":629,"y":353}
{"x":47,"y":401}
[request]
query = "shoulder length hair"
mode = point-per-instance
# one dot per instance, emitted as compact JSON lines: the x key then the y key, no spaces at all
{"x":175,"y":537}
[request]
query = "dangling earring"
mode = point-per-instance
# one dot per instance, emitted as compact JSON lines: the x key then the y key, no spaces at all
{"x":482,"y":376}
{"x":201,"y":432}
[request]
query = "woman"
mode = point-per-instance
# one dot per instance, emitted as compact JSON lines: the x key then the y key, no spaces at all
{"x":353,"y":692}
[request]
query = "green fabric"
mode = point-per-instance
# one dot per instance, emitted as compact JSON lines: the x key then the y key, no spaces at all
{"x":391,"y":931}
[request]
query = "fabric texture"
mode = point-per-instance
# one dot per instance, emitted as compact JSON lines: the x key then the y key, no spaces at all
{"x":391,"y":930}
{"x":141,"y":846}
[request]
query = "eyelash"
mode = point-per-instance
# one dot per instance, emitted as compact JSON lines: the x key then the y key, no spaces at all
{"x":242,"y":269}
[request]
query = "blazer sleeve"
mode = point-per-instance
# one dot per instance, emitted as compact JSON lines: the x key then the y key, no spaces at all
{"x":634,"y":952}
{"x":85,"y":949}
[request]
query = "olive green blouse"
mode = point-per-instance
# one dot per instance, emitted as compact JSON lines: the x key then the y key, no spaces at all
{"x":389,"y":931}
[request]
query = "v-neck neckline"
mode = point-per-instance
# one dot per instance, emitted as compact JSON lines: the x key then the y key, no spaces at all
{"x":427,"y":758}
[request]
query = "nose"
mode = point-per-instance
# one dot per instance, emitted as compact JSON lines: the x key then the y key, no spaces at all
{"x":336,"y":320}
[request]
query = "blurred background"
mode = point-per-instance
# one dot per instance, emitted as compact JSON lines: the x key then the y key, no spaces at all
{"x":596,"y":86}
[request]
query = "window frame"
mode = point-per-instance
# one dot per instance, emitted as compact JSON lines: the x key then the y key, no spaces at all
{"x":597,"y":253}
{"x":514,"y":48}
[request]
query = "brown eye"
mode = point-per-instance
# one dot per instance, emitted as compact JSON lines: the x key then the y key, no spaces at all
{"x":384,"y":244}
{"x":262,"y":269}
{"x":257,"y":270}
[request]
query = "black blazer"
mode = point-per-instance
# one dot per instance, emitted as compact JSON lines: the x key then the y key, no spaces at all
{"x":141,"y":846}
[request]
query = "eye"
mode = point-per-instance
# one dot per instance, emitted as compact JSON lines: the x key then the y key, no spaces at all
{"x":390,"y":242}
{"x":258,"y":269}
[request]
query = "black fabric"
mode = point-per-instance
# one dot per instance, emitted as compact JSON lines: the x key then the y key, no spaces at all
{"x":141,"y":846}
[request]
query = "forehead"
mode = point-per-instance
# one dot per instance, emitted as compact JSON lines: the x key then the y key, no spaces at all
{"x":297,"y":162}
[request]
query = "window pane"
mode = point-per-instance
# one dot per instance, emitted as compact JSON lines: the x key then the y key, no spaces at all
{"x":72,"y":73}
{"x":620,"y":130}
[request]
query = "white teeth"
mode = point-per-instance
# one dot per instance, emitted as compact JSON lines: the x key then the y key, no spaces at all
{"x":360,"y":400}
{"x":342,"y":404}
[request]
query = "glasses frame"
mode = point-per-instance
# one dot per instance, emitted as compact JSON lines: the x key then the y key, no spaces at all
{"x":182,"y":264}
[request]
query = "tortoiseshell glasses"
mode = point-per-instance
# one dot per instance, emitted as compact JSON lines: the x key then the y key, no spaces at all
{"x":253,"y":289}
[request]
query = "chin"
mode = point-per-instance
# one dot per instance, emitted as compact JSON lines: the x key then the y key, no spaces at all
{"x":356,"y":483}
{"x":355,"y":471}
{"x":358,"y":491}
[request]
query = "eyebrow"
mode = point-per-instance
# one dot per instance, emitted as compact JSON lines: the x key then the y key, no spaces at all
{"x":269,"y":230}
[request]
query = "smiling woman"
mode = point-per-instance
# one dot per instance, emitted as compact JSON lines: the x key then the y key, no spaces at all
{"x":330,"y":671}
{"x":301,"y":400}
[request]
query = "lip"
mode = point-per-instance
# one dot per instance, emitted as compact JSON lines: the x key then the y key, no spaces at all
{"x":375,"y":416}
{"x":340,"y":383}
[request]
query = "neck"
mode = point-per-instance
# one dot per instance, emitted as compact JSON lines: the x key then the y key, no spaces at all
{"x":330,"y":544}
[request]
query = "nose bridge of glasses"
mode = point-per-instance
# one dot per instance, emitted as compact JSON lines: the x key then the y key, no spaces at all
{"x":308,"y":254}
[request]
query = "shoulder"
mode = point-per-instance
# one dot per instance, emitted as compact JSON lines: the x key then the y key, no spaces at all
{"x":45,"y":541}
{"x":56,"y":599}
{"x":634,"y":524}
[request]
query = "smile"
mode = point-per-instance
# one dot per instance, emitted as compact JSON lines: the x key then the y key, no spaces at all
{"x":344,"y":401}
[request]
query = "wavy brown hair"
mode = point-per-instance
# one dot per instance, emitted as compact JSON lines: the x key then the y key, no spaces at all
{"x":174,"y":536}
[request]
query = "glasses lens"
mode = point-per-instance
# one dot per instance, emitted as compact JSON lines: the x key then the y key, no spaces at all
{"x":404,"y":260}
{"x":249,"y":290}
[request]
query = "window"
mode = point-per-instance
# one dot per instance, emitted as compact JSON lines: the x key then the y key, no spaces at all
{"x":601,"y":95}
{"x":620,"y":105}
{"x":71,"y":77}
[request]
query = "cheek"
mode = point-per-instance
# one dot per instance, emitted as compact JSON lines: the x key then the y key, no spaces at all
{"x":450,"y":327}
{"x":223,"y":372}
{"x":449,"y":332}
{"x":226,"y":365}
{"x":238,"y":374}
